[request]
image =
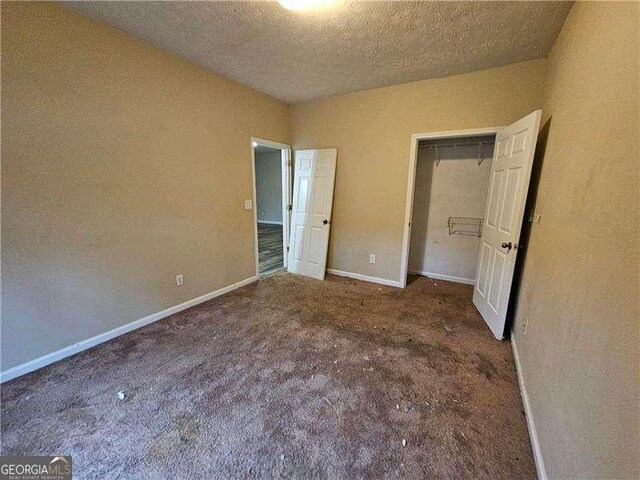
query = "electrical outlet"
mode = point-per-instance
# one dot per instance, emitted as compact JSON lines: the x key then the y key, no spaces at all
{"x":372,"y":258}
{"x":179,"y":280}
{"x":248,"y":204}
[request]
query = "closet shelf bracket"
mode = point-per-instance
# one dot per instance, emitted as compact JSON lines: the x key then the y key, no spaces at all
{"x":480,"y":154}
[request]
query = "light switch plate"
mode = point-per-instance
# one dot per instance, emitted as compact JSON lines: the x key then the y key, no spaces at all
{"x":248,"y":204}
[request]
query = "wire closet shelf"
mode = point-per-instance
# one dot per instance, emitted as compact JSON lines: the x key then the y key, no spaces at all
{"x":467,"y":226}
{"x":440,"y":145}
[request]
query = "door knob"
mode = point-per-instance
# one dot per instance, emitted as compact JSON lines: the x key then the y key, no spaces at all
{"x":325,"y":221}
{"x":508,"y":246}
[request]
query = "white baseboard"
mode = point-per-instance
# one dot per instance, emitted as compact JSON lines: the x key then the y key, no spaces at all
{"x":78,"y":347}
{"x":533,"y":433}
{"x":269,"y":222}
{"x":449,"y":278}
{"x":364,"y":278}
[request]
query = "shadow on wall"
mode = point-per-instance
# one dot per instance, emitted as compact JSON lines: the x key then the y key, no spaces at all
{"x":421,"y":200}
{"x":525,"y":233}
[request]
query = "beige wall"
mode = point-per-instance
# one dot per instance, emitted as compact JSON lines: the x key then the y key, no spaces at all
{"x":580,"y":289}
{"x":122,"y":165}
{"x":372,"y":132}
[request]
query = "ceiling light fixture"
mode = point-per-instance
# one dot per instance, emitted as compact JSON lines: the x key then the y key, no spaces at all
{"x":300,"y":5}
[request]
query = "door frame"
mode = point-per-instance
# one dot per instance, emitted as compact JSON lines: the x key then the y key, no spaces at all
{"x":286,"y":164}
{"x":411,"y":182}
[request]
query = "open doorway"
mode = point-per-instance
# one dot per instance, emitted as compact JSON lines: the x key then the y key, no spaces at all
{"x":452,"y":180}
{"x":272,"y":198}
{"x":446,"y":198}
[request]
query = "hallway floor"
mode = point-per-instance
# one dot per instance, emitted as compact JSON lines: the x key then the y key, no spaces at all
{"x":288,"y":377}
{"x":270,"y":247}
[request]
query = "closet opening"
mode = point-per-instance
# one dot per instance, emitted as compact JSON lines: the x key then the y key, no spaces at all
{"x":448,"y":186}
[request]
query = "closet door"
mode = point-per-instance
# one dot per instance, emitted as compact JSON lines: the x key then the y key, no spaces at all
{"x":508,"y":186}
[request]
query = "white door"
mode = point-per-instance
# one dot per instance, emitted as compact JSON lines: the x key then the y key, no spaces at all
{"x":509,"y":183}
{"x":314,"y":175}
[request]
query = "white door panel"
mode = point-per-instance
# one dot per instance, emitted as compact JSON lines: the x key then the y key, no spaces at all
{"x":510,"y":174}
{"x":314,"y":177}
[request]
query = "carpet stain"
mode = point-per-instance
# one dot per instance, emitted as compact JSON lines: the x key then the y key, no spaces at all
{"x":288,"y":377}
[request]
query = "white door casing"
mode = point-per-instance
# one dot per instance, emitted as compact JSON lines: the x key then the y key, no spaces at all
{"x":508,"y":185}
{"x":314,"y":177}
{"x":286,"y":201}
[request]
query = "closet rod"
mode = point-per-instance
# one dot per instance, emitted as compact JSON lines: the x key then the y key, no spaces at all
{"x":453,"y":145}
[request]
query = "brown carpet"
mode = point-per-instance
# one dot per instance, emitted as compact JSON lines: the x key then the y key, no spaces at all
{"x":289,"y":377}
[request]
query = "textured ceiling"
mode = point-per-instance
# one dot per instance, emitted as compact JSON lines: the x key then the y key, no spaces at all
{"x":353,"y":46}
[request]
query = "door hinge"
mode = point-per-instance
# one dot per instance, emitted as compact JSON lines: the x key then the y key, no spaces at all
{"x":290,"y":207}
